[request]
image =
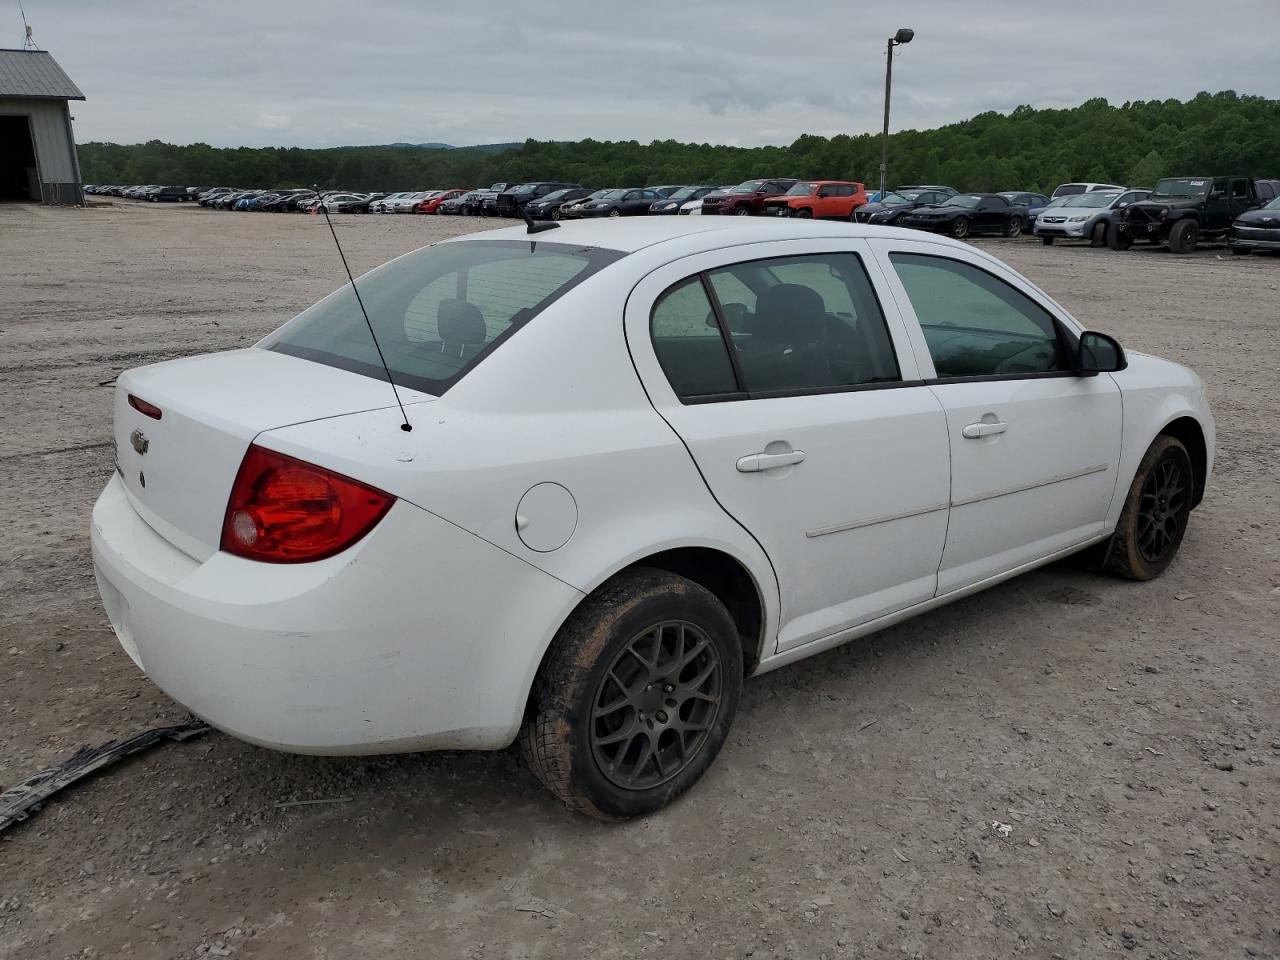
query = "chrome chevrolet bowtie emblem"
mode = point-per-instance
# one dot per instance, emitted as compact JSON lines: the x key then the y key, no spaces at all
{"x":139,"y":441}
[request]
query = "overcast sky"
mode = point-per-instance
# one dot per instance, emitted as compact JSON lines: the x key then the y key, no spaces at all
{"x":323,"y":73}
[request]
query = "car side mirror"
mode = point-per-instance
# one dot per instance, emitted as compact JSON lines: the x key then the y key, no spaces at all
{"x":1099,"y":353}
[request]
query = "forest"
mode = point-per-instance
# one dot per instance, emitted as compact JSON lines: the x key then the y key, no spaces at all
{"x":1027,"y":149}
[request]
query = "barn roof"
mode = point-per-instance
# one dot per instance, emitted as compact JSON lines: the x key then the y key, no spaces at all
{"x":33,"y":74}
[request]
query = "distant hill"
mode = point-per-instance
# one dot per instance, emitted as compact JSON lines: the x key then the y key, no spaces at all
{"x":479,"y":147}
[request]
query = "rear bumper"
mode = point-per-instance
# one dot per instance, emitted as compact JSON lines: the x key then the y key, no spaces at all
{"x":419,"y":637}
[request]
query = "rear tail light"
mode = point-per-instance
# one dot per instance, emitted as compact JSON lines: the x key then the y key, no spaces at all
{"x":144,"y":408}
{"x":283,"y":510}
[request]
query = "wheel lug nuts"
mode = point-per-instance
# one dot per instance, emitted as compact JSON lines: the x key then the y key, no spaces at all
{"x":667,"y":688}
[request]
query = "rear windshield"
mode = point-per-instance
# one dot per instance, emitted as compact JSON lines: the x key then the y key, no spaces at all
{"x":438,"y":311}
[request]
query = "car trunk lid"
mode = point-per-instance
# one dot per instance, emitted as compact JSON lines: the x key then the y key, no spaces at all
{"x":178,"y":468}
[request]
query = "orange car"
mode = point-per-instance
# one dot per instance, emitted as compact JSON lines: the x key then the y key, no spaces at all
{"x":824,"y":199}
{"x":433,"y":204}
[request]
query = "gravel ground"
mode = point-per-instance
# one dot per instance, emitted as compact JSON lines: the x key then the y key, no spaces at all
{"x":1063,"y":766}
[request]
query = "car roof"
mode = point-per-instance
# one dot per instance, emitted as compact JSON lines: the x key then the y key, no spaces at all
{"x":706,"y":233}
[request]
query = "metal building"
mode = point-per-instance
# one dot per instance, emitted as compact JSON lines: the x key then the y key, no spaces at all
{"x":37,"y":148}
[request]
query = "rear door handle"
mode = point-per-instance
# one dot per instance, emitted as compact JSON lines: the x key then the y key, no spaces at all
{"x":976,"y":431}
{"x":757,"y":462}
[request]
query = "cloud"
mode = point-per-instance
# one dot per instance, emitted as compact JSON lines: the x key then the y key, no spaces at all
{"x":272,"y":121}
{"x":321,"y":72}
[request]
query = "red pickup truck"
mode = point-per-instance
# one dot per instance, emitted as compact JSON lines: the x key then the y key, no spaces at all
{"x":820,"y":199}
{"x":746,"y":199}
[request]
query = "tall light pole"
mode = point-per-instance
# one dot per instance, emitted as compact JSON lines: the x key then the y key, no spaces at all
{"x":898,"y":39}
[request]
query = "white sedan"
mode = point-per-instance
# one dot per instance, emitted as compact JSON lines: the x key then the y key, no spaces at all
{"x":637,"y":462}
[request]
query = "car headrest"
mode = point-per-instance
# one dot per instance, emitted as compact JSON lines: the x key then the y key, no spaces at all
{"x":460,"y":322}
{"x":789,"y":313}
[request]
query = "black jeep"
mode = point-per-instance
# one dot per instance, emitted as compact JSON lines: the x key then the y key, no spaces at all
{"x":1182,"y":211}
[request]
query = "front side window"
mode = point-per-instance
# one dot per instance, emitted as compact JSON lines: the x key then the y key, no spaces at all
{"x":975,"y":324}
{"x":1240,"y":189}
{"x":438,"y":311}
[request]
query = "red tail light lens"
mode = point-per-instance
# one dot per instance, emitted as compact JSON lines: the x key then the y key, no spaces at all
{"x":144,"y":408}
{"x":284,"y":510}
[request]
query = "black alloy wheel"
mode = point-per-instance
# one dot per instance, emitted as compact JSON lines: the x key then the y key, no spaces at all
{"x":1156,"y":510}
{"x":635,"y":697}
{"x":656,"y":704}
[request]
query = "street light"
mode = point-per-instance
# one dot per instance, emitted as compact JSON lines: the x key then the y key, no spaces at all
{"x":898,"y":39}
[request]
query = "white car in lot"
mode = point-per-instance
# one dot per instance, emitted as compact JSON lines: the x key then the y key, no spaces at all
{"x":646,"y":459}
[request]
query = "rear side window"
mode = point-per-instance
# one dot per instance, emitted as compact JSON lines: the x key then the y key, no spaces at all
{"x":806,"y":324}
{"x":1240,"y":189}
{"x":975,"y":324}
{"x":438,"y":311}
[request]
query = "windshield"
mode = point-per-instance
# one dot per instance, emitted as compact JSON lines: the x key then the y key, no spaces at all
{"x":963,"y":200}
{"x":684,"y":193}
{"x":1182,"y":187}
{"x":524,"y":188}
{"x":556,"y":195}
{"x":438,"y":311}
{"x":897,"y":198}
{"x":611,"y":194}
{"x":751,"y":186}
{"x":1273,"y":205}
{"x":801,"y":189}
{"x":1095,"y":199}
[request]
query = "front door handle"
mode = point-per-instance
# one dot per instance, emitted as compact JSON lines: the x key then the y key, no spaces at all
{"x":975,"y":431}
{"x":757,"y":462}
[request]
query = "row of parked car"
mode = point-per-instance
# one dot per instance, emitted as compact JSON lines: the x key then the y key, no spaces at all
{"x":1178,"y":212}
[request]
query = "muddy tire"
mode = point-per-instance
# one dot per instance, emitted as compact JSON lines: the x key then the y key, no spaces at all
{"x":1183,"y":236}
{"x":635,"y":697}
{"x":1156,"y":509}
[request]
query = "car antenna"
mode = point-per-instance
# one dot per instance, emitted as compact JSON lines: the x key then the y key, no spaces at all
{"x":406,"y":426}
{"x":536,"y":227}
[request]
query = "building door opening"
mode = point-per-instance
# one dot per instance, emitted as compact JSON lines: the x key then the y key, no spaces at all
{"x":18,"y":178}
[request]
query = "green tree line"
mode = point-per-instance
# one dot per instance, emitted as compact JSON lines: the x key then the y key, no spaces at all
{"x":1027,"y":149}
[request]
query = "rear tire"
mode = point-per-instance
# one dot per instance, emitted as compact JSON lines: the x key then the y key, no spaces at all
{"x":1183,"y":236}
{"x":635,"y":697}
{"x":1156,"y":509}
{"x":1013,"y":228}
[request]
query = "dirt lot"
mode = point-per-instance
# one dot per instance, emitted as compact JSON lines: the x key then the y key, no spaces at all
{"x":850,"y":815}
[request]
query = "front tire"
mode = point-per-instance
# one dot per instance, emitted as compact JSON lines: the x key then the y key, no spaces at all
{"x":742,"y":212}
{"x":1183,"y":236}
{"x":615,"y":212}
{"x":804,"y":214}
{"x":1155,"y":514}
{"x":1098,"y":237}
{"x":959,"y":228}
{"x":1117,"y":240}
{"x":635,"y":697}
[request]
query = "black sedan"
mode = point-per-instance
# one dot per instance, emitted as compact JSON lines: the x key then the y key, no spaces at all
{"x":896,"y":205}
{"x":1256,"y":230}
{"x":623,"y":202}
{"x":548,"y":207}
{"x":969,"y":213}
{"x":672,"y":202}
